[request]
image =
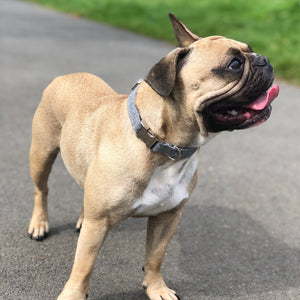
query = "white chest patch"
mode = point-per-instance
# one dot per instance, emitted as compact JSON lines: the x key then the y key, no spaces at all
{"x":167,"y":188}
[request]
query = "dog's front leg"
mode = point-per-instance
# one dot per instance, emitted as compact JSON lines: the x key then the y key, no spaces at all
{"x":159,"y":233}
{"x":90,"y":240}
{"x":98,"y":219}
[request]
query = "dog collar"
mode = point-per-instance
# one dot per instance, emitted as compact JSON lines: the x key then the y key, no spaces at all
{"x":144,"y":133}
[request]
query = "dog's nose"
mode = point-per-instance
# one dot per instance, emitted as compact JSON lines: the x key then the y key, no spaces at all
{"x":262,"y":61}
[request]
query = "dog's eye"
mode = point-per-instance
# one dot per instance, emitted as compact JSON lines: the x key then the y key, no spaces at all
{"x":235,"y":65}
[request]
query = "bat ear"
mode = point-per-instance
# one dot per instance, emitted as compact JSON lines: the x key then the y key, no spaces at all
{"x":183,"y":35}
{"x":162,"y":76}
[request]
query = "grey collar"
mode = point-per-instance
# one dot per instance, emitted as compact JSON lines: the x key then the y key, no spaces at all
{"x":152,"y":142}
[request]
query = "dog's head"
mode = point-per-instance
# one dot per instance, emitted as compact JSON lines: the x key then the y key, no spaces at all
{"x":221,"y":81}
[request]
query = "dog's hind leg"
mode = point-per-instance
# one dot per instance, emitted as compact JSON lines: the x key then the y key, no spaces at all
{"x":160,"y":231}
{"x":43,"y":151}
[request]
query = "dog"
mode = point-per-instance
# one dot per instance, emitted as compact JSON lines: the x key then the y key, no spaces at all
{"x":137,"y":156}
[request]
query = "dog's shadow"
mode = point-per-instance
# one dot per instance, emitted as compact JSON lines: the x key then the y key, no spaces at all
{"x":131,"y":295}
{"x":58,"y":229}
{"x":227,"y":253}
{"x":223,"y":253}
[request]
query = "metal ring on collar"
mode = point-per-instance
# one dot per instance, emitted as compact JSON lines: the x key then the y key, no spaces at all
{"x":179,"y":154}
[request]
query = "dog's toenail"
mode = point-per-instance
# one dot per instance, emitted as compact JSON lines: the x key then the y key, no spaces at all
{"x":39,"y":238}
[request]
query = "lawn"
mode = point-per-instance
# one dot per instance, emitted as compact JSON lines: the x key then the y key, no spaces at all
{"x":270,"y":27}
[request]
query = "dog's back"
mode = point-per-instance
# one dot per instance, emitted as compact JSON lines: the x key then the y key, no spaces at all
{"x":71,"y":106}
{"x":82,"y":91}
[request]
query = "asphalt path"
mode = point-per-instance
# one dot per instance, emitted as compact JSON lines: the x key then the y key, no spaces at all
{"x":239,"y":237}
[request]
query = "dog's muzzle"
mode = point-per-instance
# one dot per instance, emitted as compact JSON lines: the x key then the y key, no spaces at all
{"x":250,"y":106}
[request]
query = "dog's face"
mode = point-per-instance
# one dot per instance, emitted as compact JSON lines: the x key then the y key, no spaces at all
{"x":222,"y":82}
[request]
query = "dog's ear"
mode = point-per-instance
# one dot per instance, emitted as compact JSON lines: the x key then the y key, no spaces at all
{"x":163,"y":75}
{"x":183,"y":35}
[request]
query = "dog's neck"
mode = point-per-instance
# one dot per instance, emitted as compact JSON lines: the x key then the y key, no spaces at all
{"x":164,"y":117}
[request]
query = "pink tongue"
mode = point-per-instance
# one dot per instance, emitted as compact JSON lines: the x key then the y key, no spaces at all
{"x":265,"y":99}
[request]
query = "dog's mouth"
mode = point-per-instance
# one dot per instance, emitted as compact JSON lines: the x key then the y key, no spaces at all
{"x":226,"y":115}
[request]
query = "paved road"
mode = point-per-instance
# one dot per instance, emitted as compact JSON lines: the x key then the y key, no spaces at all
{"x":240,"y":234}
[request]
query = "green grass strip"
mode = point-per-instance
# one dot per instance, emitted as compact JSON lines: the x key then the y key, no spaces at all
{"x":270,"y":27}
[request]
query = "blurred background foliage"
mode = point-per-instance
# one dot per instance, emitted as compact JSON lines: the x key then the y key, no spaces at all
{"x":270,"y":27}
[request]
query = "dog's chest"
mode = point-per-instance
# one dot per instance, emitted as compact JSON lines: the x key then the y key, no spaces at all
{"x":167,"y":188}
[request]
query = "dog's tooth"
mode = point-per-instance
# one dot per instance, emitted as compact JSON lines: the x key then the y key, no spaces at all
{"x":232,"y":112}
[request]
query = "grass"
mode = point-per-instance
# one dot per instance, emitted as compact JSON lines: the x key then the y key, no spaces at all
{"x":270,"y":27}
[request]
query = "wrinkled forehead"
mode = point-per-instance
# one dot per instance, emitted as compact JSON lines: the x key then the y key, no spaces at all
{"x":222,"y":45}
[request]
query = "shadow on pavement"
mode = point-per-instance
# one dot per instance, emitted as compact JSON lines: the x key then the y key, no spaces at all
{"x":132,"y":295}
{"x":223,"y":254}
{"x":226,"y":253}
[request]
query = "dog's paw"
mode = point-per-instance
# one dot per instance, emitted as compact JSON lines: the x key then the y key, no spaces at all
{"x":72,"y":295}
{"x":38,"y":229}
{"x":79,"y":224}
{"x":80,"y":221}
{"x":160,"y":291}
